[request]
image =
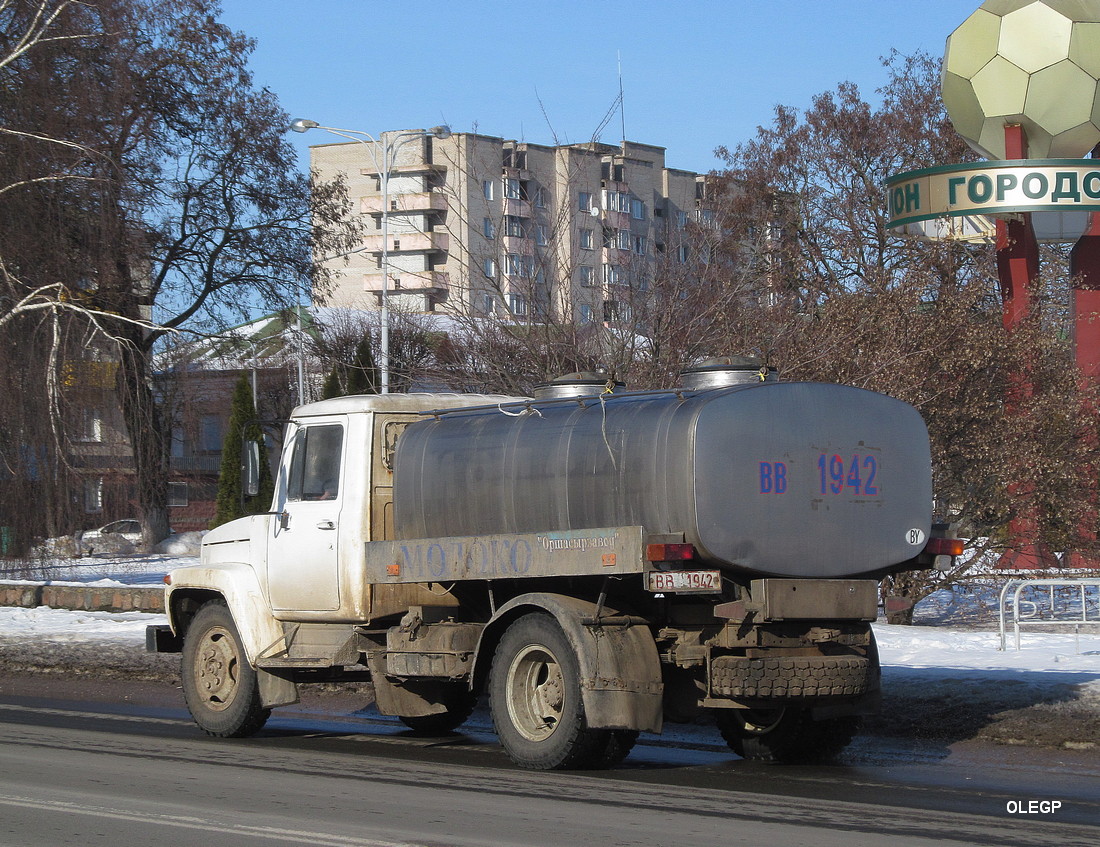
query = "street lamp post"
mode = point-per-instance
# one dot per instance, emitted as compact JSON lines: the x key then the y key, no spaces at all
{"x":390,"y":145}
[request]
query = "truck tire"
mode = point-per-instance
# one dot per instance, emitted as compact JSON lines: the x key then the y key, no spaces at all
{"x":460,"y":704}
{"x":535,"y":698}
{"x":219,"y":685}
{"x":793,"y":677}
{"x":619,"y":744}
{"x":787,"y":735}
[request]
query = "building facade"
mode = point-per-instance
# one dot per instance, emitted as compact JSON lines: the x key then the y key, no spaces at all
{"x":482,"y":225}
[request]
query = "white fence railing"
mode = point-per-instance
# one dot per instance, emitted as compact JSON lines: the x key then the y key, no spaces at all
{"x":1048,"y":602}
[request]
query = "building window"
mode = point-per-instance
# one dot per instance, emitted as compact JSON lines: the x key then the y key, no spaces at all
{"x":542,"y":238}
{"x":613,"y":274}
{"x":640,"y":245}
{"x":490,"y":268}
{"x":519,"y":266}
{"x":682,"y":253}
{"x":681,"y":219}
{"x":514,"y":227}
{"x":487,"y":188}
{"x":587,"y":315}
{"x":585,"y":236}
{"x":91,"y":425}
{"x":512,"y":189}
{"x":584,"y":201}
{"x":210,"y":433}
{"x":179,"y":442}
{"x":177,"y":494}
{"x":615,"y":310}
{"x":540,"y":197}
{"x":616,"y":201}
{"x":93,"y":495}
{"x":489,"y":228}
{"x":637,"y":209}
{"x":624,"y":239}
{"x":586,"y":276}
{"x":517,"y":304}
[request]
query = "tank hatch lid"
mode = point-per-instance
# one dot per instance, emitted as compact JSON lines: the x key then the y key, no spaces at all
{"x":724,"y":371}
{"x":577,"y":384}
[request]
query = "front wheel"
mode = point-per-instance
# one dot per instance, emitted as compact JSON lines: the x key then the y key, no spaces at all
{"x":535,"y":697}
{"x":786,"y":735}
{"x":219,"y":685}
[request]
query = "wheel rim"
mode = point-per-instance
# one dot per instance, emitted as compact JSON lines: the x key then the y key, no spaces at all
{"x":217,"y":664}
{"x":536,"y":692}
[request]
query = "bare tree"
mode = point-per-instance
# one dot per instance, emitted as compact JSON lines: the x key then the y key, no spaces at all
{"x":188,"y":208}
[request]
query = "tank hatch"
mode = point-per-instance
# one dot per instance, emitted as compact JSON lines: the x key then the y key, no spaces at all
{"x":724,"y":371}
{"x":578,"y":384}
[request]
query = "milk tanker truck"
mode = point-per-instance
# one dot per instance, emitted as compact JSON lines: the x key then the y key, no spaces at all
{"x":594,"y":561}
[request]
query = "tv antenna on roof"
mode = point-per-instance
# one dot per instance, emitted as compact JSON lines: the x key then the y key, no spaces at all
{"x":622,"y":106}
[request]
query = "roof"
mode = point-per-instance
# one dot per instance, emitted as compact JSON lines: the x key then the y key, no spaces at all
{"x":355,"y":403}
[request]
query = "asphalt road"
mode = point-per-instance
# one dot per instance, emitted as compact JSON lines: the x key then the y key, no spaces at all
{"x":86,"y":762}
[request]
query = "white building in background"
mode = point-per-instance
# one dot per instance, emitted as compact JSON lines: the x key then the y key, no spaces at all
{"x":479,"y":225}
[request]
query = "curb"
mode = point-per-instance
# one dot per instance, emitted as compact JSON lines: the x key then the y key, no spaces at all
{"x":113,"y":598}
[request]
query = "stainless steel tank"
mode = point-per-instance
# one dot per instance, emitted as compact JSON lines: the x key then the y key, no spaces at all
{"x":766,"y":478}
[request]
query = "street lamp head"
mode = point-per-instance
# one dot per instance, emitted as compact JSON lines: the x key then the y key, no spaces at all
{"x":442,"y":131}
{"x":303,"y":124}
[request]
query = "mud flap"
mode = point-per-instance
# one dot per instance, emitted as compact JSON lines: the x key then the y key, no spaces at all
{"x":403,"y":699}
{"x":275,"y":690}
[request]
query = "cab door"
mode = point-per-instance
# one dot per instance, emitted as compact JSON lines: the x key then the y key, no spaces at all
{"x":303,"y":543}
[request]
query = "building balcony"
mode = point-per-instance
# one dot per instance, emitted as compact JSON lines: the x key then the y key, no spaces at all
{"x":618,"y":220}
{"x":519,"y":208}
{"x":196,"y":464}
{"x":524,"y":245}
{"x":425,"y":201}
{"x":420,"y":281}
{"x":413,"y":168}
{"x":409,"y":242}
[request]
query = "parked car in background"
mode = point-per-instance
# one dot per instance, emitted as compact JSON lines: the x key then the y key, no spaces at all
{"x":110,"y":537}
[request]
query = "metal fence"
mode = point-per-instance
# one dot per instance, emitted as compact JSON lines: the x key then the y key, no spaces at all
{"x":1048,"y":602}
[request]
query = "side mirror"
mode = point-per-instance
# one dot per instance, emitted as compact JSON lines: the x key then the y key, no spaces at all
{"x":250,"y":468}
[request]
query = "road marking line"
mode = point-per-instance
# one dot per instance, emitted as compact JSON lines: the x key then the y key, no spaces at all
{"x":11,"y":707}
{"x":265,"y":832}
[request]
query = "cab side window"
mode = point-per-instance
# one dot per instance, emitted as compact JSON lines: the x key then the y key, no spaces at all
{"x":315,"y":465}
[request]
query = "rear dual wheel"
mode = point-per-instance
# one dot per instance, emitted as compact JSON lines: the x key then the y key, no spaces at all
{"x":535,"y":697}
{"x":785,"y":734}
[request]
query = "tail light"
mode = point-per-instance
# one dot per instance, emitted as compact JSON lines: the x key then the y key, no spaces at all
{"x":945,"y":546}
{"x":669,"y":552}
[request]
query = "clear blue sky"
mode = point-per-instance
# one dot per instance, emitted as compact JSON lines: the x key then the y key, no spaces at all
{"x":696,"y":74}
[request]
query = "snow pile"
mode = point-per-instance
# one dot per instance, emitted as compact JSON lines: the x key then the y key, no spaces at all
{"x":66,"y":625}
{"x":181,"y":544}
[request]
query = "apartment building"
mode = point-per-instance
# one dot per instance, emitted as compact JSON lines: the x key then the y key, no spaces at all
{"x":476,"y":224}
